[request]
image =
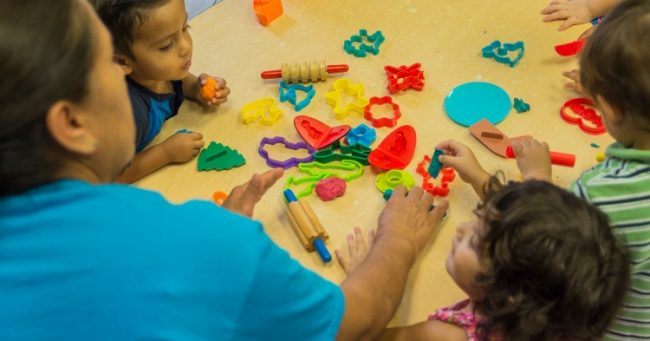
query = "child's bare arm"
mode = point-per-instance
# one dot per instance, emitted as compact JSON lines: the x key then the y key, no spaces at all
{"x":461,"y":158}
{"x":178,"y":148}
{"x":574,"y":12}
{"x":601,"y":7}
{"x":425,"y":331}
{"x":217,"y":95}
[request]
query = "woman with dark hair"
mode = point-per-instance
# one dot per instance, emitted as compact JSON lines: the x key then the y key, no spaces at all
{"x":81,"y":259}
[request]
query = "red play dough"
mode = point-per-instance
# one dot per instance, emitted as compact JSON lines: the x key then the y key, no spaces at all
{"x":330,"y":188}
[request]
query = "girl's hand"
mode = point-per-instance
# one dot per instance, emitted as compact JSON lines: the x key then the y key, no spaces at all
{"x":182,"y":147}
{"x":533,"y":159}
{"x":357,"y":250}
{"x":212,"y":90}
{"x":573,"y":12}
{"x":461,"y":158}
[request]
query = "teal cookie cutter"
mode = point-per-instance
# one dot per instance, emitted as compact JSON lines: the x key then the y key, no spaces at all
{"x":500,"y":53}
{"x":288,"y":93}
{"x":376,"y":39}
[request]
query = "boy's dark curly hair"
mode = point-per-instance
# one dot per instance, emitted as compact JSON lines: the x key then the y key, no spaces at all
{"x":555,"y":271}
{"x":122,"y":17}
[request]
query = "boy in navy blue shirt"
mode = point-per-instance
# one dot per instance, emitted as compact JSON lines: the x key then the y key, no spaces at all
{"x":154,"y":47}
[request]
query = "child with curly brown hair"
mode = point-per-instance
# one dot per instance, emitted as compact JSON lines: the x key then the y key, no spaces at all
{"x":537,"y":263}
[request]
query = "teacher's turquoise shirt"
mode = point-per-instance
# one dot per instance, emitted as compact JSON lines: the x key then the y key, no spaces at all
{"x":112,"y":262}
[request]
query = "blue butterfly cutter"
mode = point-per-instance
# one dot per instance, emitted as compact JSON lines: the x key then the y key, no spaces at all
{"x":500,"y":52}
{"x":375,"y":39}
{"x":288,"y":93}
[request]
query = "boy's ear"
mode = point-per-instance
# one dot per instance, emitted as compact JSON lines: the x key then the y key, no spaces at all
{"x":125,"y":62}
{"x":69,"y":127}
{"x":612,"y":114}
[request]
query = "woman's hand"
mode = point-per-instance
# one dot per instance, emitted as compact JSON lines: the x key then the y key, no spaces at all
{"x":242,"y":199}
{"x":407,"y":222}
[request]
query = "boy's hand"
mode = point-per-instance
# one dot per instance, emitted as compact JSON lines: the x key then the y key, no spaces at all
{"x":357,"y":250}
{"x":573,"y":12}
{"x":182,"y":147}
{"x":574,"y":83}
{"x":533,"y":159}
{"x":212,"y":90}
{"x":242,"y":199}
{"x":461,"y":158}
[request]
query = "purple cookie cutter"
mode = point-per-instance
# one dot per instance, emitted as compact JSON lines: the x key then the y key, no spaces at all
{"x":291,"y":162}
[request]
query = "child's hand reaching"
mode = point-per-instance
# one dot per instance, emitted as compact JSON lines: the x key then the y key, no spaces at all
{"x":574,"y":75}
{"x":574,"y":83}
{"x":212,"y":90}
{"x":182,"y":147}
{"x":533,"y":159}
{"x":573,"y":12}
{"x":357,"y":250}
{"x":461,"y":158}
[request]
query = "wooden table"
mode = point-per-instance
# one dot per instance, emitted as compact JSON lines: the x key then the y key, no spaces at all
{"x":446,"y":37}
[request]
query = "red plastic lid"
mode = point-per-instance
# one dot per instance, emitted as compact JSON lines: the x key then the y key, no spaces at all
{"x":570,"y":49}
{"x":318,"y":134}
{"x":396,"y":150}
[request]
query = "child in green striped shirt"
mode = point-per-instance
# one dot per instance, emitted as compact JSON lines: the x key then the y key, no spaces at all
{"x":615,"y":72}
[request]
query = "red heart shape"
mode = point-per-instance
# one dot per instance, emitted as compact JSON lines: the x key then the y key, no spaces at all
{"x":396,"y":150}
{"x":318,"y":134}
{"x":585,"y":117}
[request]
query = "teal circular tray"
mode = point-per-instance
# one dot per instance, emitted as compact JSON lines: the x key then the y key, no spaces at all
{"x":471,"y":102}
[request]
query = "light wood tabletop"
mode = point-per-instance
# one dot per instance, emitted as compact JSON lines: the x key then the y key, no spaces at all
{"x":446,"y":37}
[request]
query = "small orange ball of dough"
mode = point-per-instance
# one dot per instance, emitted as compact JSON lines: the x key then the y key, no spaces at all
{"x":209,"y":89}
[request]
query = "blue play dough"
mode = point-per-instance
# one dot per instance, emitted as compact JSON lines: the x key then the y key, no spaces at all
{"x":471,"y":102}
